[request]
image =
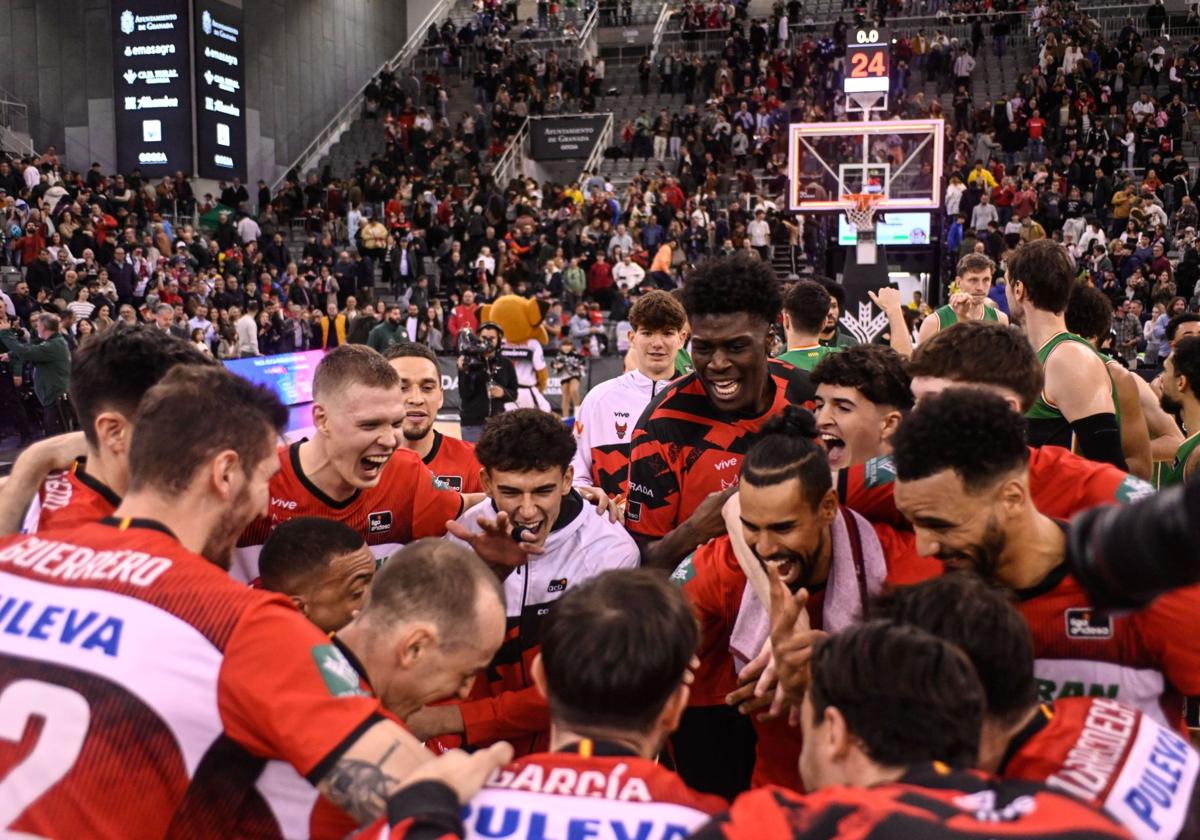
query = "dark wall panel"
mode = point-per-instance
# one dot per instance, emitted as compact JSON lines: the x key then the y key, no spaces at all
{"x":304,"y":59}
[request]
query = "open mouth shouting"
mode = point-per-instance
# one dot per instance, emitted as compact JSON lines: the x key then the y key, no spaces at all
{"x":836,"y":451}
{"x":371,"y":466}
{"x":787,"y":565}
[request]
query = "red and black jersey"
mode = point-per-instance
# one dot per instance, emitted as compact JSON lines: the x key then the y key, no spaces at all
{"x":715,"y":584}
{"x":1115,"y":758}
{"x":453,"y":464}
{"x":405,"y":505}
{"x":685,"y":449}
{"x":588,"y":789}
{"x":1147,"y":659}
{"x":930,"y":802}
{"x":73,"y":497}
{"x":143,"y":690}
{"x":301,"y":811}
{"x":504,"y":703}
{"x":1061,"y":483}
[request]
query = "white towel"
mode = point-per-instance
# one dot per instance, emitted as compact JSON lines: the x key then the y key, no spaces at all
{"x":843,"y":600}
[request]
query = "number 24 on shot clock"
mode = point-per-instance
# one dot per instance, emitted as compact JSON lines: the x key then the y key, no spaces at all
{"x":868,"y":62}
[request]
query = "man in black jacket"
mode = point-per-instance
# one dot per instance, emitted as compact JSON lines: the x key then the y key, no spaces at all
{"x":122,"y":275}
{"x":484,"y":385}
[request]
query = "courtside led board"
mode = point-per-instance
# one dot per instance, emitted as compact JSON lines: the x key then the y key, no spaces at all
{"x":900,"y":159}
{"x":868,"y":62}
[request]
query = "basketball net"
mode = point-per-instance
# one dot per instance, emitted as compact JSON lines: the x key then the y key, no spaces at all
{"x":861,"y":215}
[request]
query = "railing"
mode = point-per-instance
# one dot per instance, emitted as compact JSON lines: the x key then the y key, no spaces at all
{"x":14,"y":125}
{"x":342,"y":120}
{"x":603,"y":141}
{"x":659,"y":28}
{"x":509,"y":164}
{"x":587,"y":36}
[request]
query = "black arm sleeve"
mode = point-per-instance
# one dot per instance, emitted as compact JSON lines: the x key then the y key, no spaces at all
{"x":1099,"y":439}
{"x":1127,"y":556}
{"x":424,"y":811}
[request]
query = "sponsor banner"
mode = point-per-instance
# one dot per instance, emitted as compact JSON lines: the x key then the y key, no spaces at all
{"x":564,"y":138}
{"x":153,"y":86}
{"x":220,"y":91}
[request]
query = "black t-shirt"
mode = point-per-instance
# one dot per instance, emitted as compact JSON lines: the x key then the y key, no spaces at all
{"x":472,"y":391}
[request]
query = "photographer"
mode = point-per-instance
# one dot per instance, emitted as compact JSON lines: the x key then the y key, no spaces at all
{"x":486,"y":381}
{"x":51,"y":361}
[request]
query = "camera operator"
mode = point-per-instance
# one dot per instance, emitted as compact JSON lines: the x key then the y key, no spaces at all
{"x":486,"y":380}
{"x":51,"y":362}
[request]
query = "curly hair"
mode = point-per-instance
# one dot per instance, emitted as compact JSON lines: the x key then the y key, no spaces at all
{"x":1089,"y":312}
{"x":975,"y":434}
{"x":875,"y":371}
{"x":728,"y":285}
{"x":1185,"y":358}
{"x":524,"y":440}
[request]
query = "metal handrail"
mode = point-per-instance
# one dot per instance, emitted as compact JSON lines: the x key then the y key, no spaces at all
{"x":344,"y":117}
{"x":506,"y":166}
{"x":587,"y":35}
{"x":660,"y":27}
{"x":14,"y":125}
{"x":603,"y":141}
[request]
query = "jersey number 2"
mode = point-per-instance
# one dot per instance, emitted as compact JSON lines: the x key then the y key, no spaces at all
{"x":66,"y":715}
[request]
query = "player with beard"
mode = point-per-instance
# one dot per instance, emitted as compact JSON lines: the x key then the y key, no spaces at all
{"x":998,"y":360}
{"x":353,"y":468}
{"x":831,"y":334}
{"x":973,"y":276}
{"x":861,"y":395}
{"x":134,"y":648}
{"x":790,"y":520}
{"x":526,"y":457}
{"x":967,"y":496}
{"x":109,"y":375}
{"x":1109,"y":755}
{"x":452,"y":461}
{"x":689,"y":443}
{"x":1077,"y":406}
{"x":1180,"y":378}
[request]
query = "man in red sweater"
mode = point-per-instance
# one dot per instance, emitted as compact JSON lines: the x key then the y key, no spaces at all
{"x":600,"y":281}
{"x":463,"y":316}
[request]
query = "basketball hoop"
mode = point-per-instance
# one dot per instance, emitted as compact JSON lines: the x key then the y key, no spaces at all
{"x":861,"y":214}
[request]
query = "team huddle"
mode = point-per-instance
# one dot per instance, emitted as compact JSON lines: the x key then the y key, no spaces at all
{"x":861,"y":591}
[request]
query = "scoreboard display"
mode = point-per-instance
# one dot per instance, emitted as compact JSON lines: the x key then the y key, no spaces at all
{"x":868,"y":63}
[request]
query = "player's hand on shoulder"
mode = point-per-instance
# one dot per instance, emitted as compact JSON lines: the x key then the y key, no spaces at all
{"x":55,"y":453}
{"x":605,"y":504}
{"x":463,"y":772}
